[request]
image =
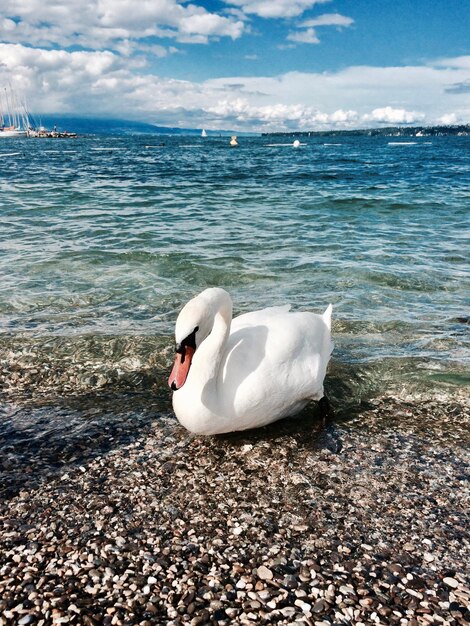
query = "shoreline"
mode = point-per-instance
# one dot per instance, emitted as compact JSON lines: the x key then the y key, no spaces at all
{"x":354,"y":521}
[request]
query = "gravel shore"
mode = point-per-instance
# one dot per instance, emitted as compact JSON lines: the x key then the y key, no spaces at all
{"x":359,"y":521}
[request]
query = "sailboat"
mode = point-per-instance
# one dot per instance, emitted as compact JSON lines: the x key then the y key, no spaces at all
{"x":14,"y":118}
{"x":203,"y":134}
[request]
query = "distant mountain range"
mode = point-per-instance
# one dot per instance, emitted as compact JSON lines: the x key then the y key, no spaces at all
{"x":105,"y":126}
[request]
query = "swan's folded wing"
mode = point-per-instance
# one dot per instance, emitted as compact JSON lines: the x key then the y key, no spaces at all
{"x":258,"y":317}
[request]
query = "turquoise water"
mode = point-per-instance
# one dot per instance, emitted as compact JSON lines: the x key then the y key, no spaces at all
{"x":104,"y":239}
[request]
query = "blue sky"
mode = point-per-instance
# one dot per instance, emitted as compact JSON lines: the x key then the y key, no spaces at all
{"x":383,"y":33}
{"x":242,"y":64}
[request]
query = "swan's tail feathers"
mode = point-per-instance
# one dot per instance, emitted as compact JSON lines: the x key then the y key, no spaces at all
{"x":327,"y":315}
{"x":329,"y":345}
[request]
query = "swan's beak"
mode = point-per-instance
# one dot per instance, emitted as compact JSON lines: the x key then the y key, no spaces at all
{"x":180,"y":370}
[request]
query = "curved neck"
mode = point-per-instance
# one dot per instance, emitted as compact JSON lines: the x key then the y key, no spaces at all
{"x":208,"y":356}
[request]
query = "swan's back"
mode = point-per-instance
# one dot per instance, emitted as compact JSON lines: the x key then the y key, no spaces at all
{"x":275,"y":361}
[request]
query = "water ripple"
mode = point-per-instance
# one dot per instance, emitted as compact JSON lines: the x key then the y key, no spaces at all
{"x":108,"y":237}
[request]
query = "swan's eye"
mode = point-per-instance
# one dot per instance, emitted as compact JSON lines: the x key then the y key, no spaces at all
{"x":189,"y":342}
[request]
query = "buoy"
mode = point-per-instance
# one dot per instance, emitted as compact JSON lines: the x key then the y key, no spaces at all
{"x":233,"y":141}
{"x":296,"y":143}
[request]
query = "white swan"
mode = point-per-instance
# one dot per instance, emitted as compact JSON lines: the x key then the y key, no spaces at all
{"x":246,"y":372}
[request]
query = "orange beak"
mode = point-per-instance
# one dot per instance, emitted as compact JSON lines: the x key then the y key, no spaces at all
{"x":180,"y":370}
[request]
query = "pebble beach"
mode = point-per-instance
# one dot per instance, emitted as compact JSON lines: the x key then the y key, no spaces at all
{"x":345,"y":521}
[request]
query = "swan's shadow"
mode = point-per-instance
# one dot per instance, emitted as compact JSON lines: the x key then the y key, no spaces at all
{"x":314,"y":428}
{"x":318,"y":426}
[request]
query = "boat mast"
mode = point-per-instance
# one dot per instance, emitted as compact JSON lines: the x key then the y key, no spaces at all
{"x":8,"y":102}
{"x":15,"y":109}
{"x":26,"y":123}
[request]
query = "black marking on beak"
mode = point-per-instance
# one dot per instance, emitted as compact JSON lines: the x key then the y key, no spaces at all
{"x":180,"y":349}
{"x":189,"y":341}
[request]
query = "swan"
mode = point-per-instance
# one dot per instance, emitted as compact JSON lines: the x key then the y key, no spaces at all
{"x":234,"y":374}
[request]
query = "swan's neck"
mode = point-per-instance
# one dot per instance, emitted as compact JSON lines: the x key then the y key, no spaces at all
{"x":208,"y":357}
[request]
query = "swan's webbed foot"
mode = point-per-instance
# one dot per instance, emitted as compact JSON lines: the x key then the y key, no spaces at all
{"x":330,"y":438}
{"x":326,"y":410}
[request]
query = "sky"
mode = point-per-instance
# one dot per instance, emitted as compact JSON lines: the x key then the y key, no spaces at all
{"x":246,"y":65}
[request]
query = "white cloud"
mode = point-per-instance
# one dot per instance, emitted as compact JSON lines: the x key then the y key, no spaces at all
{"x":107,"y":23}
{"x":7,"y":25}
{"x":344,"y":117}
{"x":368,"y":95}
{"x":310,"y":35}
{"x":448,"y":119}
{"x":241,"y":110}
{"x":104,"y":83}
{"x":128,"y":47}
{"x":329,"y":19}
{"x":279,"y":116}
{"x":389,"y":115}
{"x":304,"y":36}
{"x":275,"y":8}
{"x":462,"y":63}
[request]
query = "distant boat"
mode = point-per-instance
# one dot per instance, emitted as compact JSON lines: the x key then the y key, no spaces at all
{"x":14,"y":118}
{"x":203,"y":134}
{"x":233,"y":141}
{"x":43,"y":133}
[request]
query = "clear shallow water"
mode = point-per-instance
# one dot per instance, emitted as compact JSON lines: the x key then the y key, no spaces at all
{"x":104,"y":239}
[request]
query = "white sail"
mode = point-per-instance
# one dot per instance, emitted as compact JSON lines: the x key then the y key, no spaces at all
{"x":203,"y":134}
{"x":14,"y":118}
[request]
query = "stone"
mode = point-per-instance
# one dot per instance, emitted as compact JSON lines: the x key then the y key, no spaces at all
{"x":264,"y":573}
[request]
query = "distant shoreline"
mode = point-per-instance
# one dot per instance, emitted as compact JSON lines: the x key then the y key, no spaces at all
{"x":461,"y":130}
{"x":100,"y":126}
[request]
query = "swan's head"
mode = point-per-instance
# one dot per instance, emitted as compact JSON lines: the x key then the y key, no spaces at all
{"x":193,"y":325}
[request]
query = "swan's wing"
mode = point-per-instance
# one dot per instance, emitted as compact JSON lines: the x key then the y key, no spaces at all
{"x":274,"y":362}
{"x":255,"y":318}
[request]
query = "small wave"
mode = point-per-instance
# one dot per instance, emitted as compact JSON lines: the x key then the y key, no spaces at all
{"x":9,"y":154}
{"x":402,"y":143}
{"x":283,"y":145}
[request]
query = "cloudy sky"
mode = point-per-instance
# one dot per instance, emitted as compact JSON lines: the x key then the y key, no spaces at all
{"x":241,"y":64}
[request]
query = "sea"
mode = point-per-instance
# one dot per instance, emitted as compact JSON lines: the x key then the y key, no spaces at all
{"x":105,"y":238}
